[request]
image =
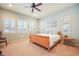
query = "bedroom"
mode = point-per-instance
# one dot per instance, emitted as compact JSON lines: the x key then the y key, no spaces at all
{"x":17,"y":22}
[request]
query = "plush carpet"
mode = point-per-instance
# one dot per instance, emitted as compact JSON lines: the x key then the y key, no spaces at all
{"x":24,"y":48}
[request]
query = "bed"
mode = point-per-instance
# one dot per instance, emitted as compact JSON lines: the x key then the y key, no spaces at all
{"x":45,"y":40}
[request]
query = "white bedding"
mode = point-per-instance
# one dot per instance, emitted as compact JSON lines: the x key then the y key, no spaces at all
{"x":53,"y":38}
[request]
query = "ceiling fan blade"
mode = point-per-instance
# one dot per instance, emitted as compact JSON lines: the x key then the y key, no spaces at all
{"x":32,"y":10}
{"x":38,"y":9}
{"x":38,"y":4}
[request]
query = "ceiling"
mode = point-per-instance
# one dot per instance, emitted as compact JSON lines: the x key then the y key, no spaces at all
{"x":47,"y":8}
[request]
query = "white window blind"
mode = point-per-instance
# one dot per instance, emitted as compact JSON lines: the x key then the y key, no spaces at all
{"x":9,"y":25}
{"x":22,"y":26}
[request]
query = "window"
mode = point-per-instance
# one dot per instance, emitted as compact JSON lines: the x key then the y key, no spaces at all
{"x":22,"y":26}
{"x":66,"y":25}
{"x":9,"y":26}
{"x":32,"y":26}
{"x":66,"y":28}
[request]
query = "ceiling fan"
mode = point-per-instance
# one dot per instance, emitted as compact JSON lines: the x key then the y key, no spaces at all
{"x":34,"y":6}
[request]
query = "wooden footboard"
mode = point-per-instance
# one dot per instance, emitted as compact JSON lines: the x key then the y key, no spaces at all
{"x":40,"y":40}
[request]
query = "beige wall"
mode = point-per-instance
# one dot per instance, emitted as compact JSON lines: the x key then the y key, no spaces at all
{"x":16,"y":16}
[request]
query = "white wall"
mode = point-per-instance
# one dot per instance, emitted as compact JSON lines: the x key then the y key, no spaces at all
{"x":72,"y":14}
{"x":4,"y":14}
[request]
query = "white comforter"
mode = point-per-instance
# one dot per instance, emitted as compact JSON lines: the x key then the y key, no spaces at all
{"x":53,"y":38}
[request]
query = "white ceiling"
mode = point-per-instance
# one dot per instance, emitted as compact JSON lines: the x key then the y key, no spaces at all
{"x":47,"y":8}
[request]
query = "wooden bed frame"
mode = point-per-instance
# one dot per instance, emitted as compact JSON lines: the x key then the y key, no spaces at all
{"x":41,"y":40}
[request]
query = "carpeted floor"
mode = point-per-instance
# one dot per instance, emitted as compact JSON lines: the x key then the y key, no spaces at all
{"x":25,"y":48}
